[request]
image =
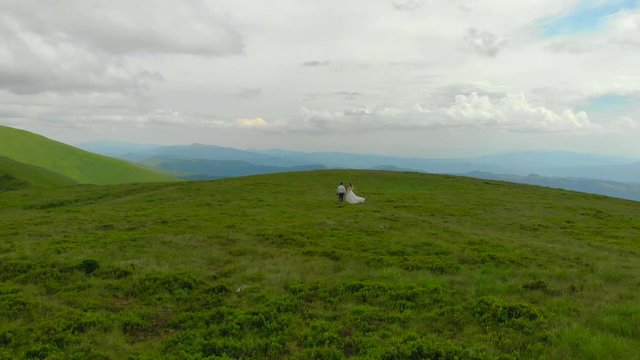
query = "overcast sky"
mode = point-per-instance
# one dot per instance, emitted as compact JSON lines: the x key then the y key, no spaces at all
{"x":406,"y":77}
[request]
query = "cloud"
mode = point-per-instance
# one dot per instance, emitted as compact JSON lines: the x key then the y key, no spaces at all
{"x":514,"y":112}
{"x":625,"y":123}
{"x":408,"y":5}
{"x":619,"y":31}
{"x":249,"y":93}
{"x":484,"y":42}
{"x":116,"y":27}
{"x":311,"y":119}
{"x":79,"y":46}
{"x":363,"y":119}
{"x":585,"y":16}
{"x":317,"y":63}
{"x":173,"y":64}
{"x":357,"y":112}
{"x":33,"y":63}
{"x":348,"y":93}
{"x":624,"y":28}
{"x":253,"y":123}
{"x":97,"y":111}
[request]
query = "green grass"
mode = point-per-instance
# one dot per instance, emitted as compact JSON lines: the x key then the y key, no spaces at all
{"x":271,"y":267}
{"x":16,"y":175}
{"x":76,"y":164}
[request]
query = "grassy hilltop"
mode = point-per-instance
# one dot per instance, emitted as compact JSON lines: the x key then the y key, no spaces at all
{"x":269,"y":267}
{"x":71,"y":162}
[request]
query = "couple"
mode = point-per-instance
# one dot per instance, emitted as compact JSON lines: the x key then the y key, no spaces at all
{"x":348,"y":195}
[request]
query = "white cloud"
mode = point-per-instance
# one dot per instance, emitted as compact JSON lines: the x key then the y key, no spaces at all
{"x":81,"y":46}
{"x":117,"y":27}
{"x":97,"y":111}
{"x":248,"y":93}
{"x":317,"y":63}
{"x":624,"y":123}
{"x":511,"y":112}
{"x":408,"y":5}
{"x":514,"y":112}
{"x":33,"y":63}
{"x":484,"y":42}
{"x":624,"y":28}
{"x":253,"y":122}
{"x":620,"y":31}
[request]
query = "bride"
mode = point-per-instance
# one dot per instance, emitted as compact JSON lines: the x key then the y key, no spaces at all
{"x":351,"y":197}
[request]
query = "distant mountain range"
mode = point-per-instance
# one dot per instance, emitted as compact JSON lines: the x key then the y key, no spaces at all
{"x":28,"y":160}
{"x":203,"y":169}
{"x":607,"y":175}
{"x":32,"y":155}
{"x":555,"y":164}
{"x":602,"y":187}
{"x":140,"y":153}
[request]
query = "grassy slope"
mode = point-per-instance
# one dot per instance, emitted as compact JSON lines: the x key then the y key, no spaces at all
{"x":29,"y":175}
{"x":71,"y":162}
{"x":270,"y":267}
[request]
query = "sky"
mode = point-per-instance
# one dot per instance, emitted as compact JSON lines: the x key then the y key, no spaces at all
{"x":432,"y":78}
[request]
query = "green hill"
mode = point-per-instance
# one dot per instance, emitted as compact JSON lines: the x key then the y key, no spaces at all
{"x":270,"y":267}
{"x":79,"y":165}
{"x":15,"y":175}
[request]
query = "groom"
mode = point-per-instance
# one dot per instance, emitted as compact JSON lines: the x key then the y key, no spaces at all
{"x":341,"y":192}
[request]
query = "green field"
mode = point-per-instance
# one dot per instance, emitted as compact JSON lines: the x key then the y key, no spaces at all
{"x":16,"y":175}
{"x":270,"y":267}
{"x":76,"y":164}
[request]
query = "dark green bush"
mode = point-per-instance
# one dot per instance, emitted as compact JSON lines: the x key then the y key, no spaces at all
{"x":89,"y":266}
{"x":492,"y":312}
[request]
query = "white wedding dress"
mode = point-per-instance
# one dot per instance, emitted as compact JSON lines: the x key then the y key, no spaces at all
{"x":352,"y":198}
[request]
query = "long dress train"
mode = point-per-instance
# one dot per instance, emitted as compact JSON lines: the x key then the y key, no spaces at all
{"x":352,"y":198}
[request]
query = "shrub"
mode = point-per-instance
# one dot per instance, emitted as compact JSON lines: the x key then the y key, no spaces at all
{"x":491,"y":312}
{"x":133,"y":324}
{"x":89,"y":266}
{"x":164,"y":283}
{"x":408,"y":349}
{"x":12,"y":269}
{"x":535,"y":285}
{"x":321,"y":353}
{"x":6,"y":338}
{"x":112,"y":272}
{"x":14,"y":306}
{"x":41,"y":352}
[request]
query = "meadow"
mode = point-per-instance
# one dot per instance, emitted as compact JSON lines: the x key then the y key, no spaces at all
{"x":270,"y":266}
